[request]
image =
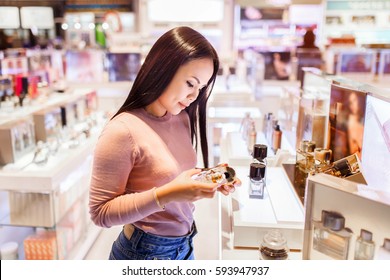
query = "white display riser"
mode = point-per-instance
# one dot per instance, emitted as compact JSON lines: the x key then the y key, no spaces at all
{"x":279,"y":209}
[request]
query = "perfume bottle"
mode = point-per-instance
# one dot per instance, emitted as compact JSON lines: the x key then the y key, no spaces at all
{"x":267,"y":119}
{"x":322,"y":159}
{"x":274,"y":246}
{"x":218,"y":174}
{"x":344,"y":167}
{"x":257,"y":180}
{"x":245,"y":125}
{"x":305,"y":156}
{"x":384,"y":250}
{"x":365,"y":246}
{"x":276,"y":138}
{"x":330,"y":236}
{"x":252,"y":135}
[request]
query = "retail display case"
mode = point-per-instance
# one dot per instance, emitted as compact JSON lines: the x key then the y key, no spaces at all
{"x":84,"y":66}
{"x":339,"y":213}
{"x":51,"y":195}
{"x":357,"y":64}
{"x":384,"y":67}
{"x":123,"y":66}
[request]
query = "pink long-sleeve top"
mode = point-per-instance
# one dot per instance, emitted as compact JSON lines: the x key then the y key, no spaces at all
{"x":135,"y":153}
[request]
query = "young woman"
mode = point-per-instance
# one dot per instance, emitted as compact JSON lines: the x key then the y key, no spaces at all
{"x":145,"y":157}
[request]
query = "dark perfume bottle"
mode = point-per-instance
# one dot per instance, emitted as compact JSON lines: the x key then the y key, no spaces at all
{"x":257,"y":180}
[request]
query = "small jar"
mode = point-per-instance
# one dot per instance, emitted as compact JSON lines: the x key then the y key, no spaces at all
{"x":274,"y":246}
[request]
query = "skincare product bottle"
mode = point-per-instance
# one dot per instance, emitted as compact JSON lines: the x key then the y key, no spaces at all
{"x":245,"y":125}
{"x":383,"y":251}
{"x":276,"y":138}
{"x":305,"y":156}
{"x":252,"y":135}
{"x":274,"y":246}
{"x":257,"y":180}
{"x":364,"y":246}
{"x":330,"y":236}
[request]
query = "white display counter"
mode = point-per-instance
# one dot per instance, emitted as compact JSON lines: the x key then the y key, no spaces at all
{"x":279,"y":209}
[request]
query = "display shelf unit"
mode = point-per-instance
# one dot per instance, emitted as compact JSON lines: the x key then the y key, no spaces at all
{"x":54,"y":99}
{"x":52,"y":197}
{"x":361,"y":206}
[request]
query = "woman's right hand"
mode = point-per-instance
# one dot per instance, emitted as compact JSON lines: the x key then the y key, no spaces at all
{"x":184,"y":188}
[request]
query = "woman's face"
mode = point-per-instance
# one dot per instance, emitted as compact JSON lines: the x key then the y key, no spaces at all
{"x":184,"y":88}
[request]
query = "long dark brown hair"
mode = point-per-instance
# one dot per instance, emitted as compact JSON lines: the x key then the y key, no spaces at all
{"x":173,"y":49}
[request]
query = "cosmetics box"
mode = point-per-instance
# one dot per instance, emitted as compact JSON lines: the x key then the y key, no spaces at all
{"x":48,"y":123}
{"x":17,"y":138}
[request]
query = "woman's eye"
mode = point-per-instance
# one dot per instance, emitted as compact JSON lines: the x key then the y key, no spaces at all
{"x":190,"y":85}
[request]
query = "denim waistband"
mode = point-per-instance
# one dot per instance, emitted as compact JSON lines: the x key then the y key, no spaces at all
{"x":136,"y":235}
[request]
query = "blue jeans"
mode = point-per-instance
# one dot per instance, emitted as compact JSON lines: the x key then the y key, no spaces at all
{"x":135,"y":244}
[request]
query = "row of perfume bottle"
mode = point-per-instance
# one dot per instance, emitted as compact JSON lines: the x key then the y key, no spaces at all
{"x":257,"y":171}
{"x":272,"y":131}
{"x":53,"y":126}
{"x":332,"y":238}
{"x":248,"y":131}
{"x":318,"y":160}
{"x":18,"y":90}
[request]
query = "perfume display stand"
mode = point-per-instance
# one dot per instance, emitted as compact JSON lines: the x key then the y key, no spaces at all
{"x":246,"y":220}
{"x":362,"y":209}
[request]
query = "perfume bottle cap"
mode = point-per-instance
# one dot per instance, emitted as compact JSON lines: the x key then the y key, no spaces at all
{"x":308,"y":146}
{"x":323,"y":155}
{"x":334,"y":221}
{"x":386,"y":244}
{"x":366,"y":235}
{"x":257,"y":171}
{"x":259,"y":151}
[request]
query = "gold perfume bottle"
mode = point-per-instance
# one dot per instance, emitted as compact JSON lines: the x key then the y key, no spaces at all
{"x":219,"y":174}
{"x":344,"y":167}
{"x":305,"y":156}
